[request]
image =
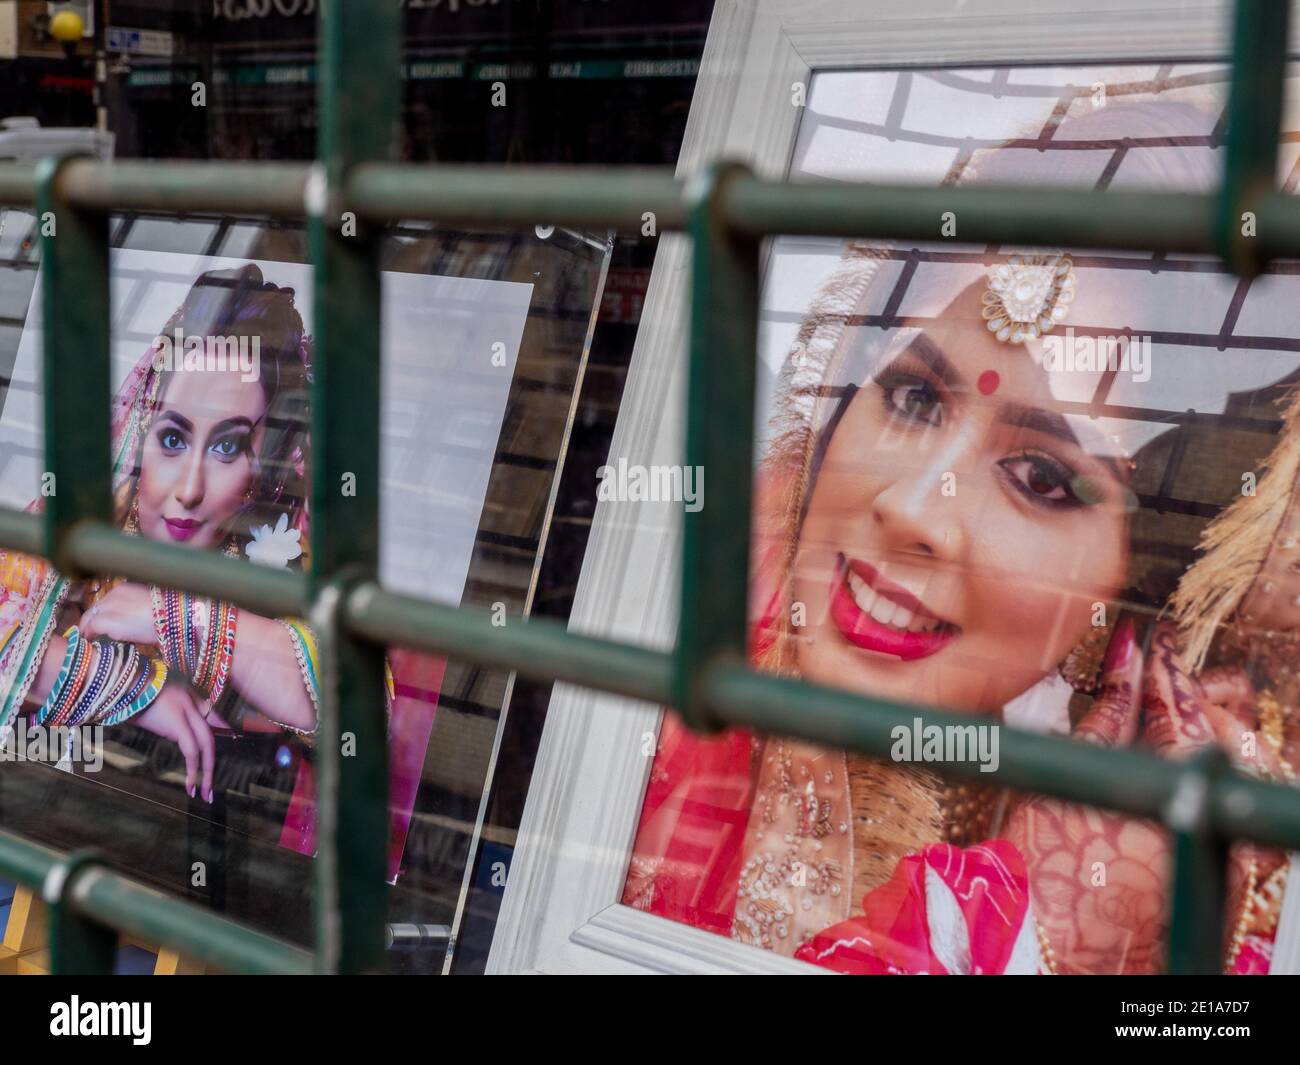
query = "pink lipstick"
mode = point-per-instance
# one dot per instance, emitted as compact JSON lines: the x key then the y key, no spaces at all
{"x":182,"y":529}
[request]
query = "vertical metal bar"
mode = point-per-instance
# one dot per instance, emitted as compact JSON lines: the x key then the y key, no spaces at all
{"x":1254,"y":121}
{"x":79,"y":946}
{"x":75,"y":482}
{"x":359,"y":97}
{"x":1200,"y":871}
{"x":719,"y":442}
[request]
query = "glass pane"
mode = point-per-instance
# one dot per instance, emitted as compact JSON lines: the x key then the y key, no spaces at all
{"x":586,"y":83}
{"x":480,"y":370}
{"x":1050,"y":489}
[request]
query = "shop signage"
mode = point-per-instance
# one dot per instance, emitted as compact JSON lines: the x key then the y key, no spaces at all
{"x":139,"y":42}
{"x":235,"y":10}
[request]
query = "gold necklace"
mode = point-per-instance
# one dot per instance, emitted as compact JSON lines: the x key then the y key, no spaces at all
{"x":1272,"y":720}
{"x":1045,"y":947}
{"x":1242,"y":923}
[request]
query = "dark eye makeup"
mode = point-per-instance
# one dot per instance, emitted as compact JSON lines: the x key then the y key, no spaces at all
{"x":912,"y":398}
{"x":225,"y":448}
{"x":229,"y":447}
{"x":1046,"y":481}
{"x":171,"y":439}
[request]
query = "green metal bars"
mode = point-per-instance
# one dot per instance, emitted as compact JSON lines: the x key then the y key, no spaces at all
{"x":719,"y":434}
{"x":75,"y":247}
{"x":359,"y":123}
{"x":727,"y":211}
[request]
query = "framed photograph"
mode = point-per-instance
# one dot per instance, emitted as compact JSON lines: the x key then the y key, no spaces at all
{"x":1053,"y":489}
{"x":213,"y":321}
{"x":485,"y":341}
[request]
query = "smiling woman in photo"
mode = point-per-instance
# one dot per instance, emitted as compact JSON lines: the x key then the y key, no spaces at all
{"x":942,"y":518}
{"x":208,"y":457}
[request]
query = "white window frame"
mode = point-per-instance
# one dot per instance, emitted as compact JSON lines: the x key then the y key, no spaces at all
{"x":561,"y":911}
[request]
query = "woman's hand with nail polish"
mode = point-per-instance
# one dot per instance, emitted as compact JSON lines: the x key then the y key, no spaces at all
{"x":178,"y":715}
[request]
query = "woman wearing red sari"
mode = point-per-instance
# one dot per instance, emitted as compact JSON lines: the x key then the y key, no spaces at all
{"x":941,"y":520}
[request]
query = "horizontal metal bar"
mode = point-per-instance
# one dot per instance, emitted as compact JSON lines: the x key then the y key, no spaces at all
{"x":622,"y":200}
{"x":986,"y":215}
{"x":1242,"y":808}
{"x":21,"y":531}
{"x":545,"y":650}
{"x":194,"y":932}
{"x":590,"y":197}
{"x":594,"y":198}
{"x":154,"y":917}
{"x":17,"y":184}
{"x":1128,"y":780}
{"x":1277,"y":218}
{"x":178,"y":186}
{"x":540,"y":649}
{"x":105,"y":550}
{"x":26,"y":862}
{"x":1131,"y":781}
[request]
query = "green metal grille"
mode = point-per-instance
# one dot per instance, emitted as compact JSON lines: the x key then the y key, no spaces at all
{"x":726,"y":211}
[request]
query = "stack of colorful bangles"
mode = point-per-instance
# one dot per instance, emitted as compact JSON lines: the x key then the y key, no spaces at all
{"x":101,"y":683}
{"x":196,"y":637}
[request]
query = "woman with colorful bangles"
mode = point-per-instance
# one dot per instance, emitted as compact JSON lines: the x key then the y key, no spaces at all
{"x":209,"y":454}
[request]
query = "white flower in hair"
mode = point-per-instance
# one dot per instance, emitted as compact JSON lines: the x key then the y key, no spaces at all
{"x":274,"y":547}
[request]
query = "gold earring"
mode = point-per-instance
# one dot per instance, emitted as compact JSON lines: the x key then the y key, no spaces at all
{"x":132,"y":526}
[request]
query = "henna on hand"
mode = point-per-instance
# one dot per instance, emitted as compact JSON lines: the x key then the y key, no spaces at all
{"x":1112,"y":720}
{"x":1097,"y":879}
{"x":1175,"y":721}
{"x":1097,"y":882}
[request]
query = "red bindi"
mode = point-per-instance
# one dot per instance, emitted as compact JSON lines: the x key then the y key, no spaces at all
{"x":988,"y":382}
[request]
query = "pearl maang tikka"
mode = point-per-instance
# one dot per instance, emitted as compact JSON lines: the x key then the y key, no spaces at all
{"x":1028,"y":295}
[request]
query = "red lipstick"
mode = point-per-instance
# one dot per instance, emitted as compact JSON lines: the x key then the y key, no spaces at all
{"x":182,"y":529}
{"x":862,"y":630}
